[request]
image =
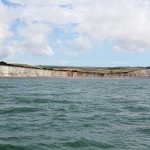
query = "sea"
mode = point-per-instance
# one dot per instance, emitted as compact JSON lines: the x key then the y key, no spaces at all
{"x":75,"y":113}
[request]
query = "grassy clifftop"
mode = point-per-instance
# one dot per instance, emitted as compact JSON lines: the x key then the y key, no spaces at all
{"x":101,"y":70}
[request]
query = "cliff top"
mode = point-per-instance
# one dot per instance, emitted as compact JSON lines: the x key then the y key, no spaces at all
{"x":104,"y":70}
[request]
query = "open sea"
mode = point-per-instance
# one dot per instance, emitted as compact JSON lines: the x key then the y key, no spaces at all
{"x":74,"y":113}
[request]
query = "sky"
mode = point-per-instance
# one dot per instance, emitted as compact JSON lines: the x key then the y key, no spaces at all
{"x":75,"y":32}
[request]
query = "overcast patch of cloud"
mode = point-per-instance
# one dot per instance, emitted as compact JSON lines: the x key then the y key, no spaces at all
{"x":125,"y":22}
{"x":35,"y":39}
{"x":7,"y":51}
{"x":122,"y":20}
{"x":83,"y":43}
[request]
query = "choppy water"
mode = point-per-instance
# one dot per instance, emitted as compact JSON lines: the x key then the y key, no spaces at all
{"x":74,"y":113}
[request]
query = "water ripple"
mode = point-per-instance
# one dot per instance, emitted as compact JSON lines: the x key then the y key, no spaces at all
{"x":74,"y":113}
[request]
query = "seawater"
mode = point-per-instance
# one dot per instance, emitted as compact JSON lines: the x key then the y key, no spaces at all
{"x":74,"y":113}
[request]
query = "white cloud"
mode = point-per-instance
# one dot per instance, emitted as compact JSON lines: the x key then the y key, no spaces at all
{"x":125,"y":22}
{"x":83,"y":43}
{"x":35,"y":39}
{"x":7,"y":51}
{"x":5,"y":21}
{"x":59,"y":42}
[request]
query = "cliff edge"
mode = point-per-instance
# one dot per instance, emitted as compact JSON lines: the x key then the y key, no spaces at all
{"x":16,"y":71}
{"x":12,"y":71}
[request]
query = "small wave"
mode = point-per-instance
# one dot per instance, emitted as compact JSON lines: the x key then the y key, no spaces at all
{"x":88,"y":143}
{"x":139,"y":88}
{"x":6,"y":86}
{"x":63,"y":101}
{"x":31,"y":100}
{"x":144,"y":131}
{"x":136,"y":108}
{"x":18,"y":110}
{"x":11,"y":147}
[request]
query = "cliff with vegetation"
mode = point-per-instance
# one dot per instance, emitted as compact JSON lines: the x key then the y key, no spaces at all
{"x":22,"y":70}
{"x":12,"y":71}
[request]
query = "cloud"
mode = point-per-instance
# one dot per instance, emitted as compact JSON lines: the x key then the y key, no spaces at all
{"x":125,"y":22}
{"x":83,"y":43}
{"x":5,"y":32}
{"x":5,"y":20}
{"x":35,"y":39}
{"x":7,"y":51}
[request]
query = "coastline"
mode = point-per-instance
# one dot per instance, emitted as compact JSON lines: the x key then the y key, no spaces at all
{"x":16,"y":71}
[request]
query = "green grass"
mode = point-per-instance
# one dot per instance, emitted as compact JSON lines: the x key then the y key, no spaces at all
{"x":102,"y":70}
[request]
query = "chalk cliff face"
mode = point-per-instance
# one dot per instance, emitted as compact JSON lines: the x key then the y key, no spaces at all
{"x":10,"y":71}
{"x":140,"y":73}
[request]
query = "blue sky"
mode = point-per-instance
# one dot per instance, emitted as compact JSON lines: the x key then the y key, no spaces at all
{"x":75,"y":32}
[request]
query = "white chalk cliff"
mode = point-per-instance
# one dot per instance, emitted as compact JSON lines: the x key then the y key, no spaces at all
{"x":12,"y":71}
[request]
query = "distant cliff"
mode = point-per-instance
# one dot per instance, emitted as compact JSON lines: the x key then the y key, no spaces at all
{"x":140,"y":73}
{"x":13,"y":71}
